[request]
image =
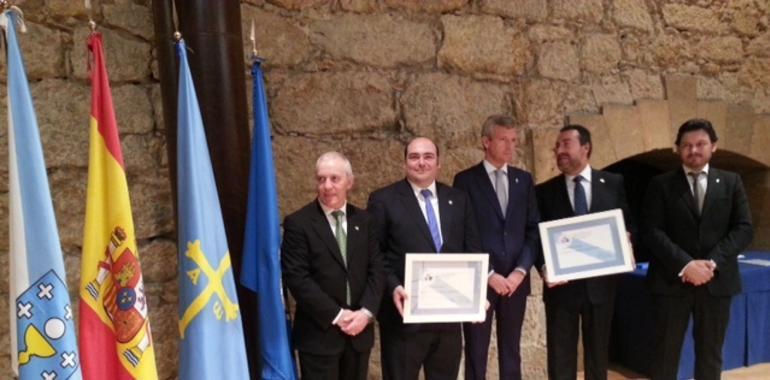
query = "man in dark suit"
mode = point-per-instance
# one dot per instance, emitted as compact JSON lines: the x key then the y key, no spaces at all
{"x":333,"y":267}
{"x":697,"y":221}
{"x":503,"y":199}
{"x":585,"y":304}
{"x":419,"y":215}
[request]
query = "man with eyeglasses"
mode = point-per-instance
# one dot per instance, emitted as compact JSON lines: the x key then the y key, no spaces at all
{"x":697,"y":221}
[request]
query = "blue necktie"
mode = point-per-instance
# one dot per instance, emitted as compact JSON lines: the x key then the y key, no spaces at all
{"x":581,"y":204}
{"x":432,"y":221}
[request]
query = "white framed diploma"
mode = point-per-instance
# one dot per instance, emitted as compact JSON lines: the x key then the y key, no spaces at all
{"x":445,"y":287}
{"x":586,"y":246}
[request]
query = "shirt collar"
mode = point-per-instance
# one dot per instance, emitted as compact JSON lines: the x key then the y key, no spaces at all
{"x":328,"y":210}
{"x":586,"y":174}
{"x":705,"y":170}
{"x":491,"y":168}
{"x":416,"y":189}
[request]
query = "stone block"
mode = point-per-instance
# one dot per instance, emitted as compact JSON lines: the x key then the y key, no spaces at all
{"x":740,"y":125}
{"x":460,"y":158}
{"x":721,"y":49}
{"x":611,"y":89}
{"x":716,"y":112}
{"x":544,"y":33}
{"x":632,"y":14}
{"x":133,"y":109}
{"x":624,"y":124}
{"x":656,"y":125}
{"x":165,"y":330}
{"x":141,"y":152}
{"x":760,"y":45}
{"x":600,"y":53}
{"x":544,"y":165}
{"x":296,"y":5}
{"x":65,"y":9}
{"x":558,"y":60}
{"x":761,"y":141}
{"x":131,"y":17}
{"x":755,"y":73}
{"x":377,"y":40}
{"x":363,"y":6}
{"x":483,"y":45}
{"x":159,"y":260}
{"x":152,"y":203}
{"x":64,"y":135}
{"x":430,"y":6}
{"x":43,"y":52}
{"x":128,"y":59}
{"x":693,"y":18}
{"x":746,"y":18}
{"x":281,"y":41}
{"x":530,"y":10}
{"x":588,"y":11}
{"x":450,"y":109}
{"x":644,"y":85}
{"x":324,"y":103}
{"x":680,"y":92}
{"x":603,"y":151}
{"x":539,"y":103}
{"x":670,"y":49}
{"x":68,"y":191}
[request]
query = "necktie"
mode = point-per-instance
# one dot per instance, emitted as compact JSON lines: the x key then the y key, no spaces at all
{"x":432,"y":221}
{"x":581,"y":204}
{"x":342,"y":242}
{"x":500,"y":189}
{"x":696,"y":191}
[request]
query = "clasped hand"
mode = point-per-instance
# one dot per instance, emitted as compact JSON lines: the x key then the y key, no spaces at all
{"x":698,"y":272}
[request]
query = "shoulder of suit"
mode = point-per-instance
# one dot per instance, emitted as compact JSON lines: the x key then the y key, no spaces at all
{"x":519,"y":173}
{"x":387,"y":189}
{"x":469,"y":170}
{"x":304,"y":212}
{"x":551,"y":182}
{"x":602,"y":175}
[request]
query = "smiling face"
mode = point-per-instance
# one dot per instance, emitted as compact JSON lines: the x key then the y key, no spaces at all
{"x":695,"y":149}
{"x":571,"y":157}
{"x":333,"y":182}
{"x":421,"y":162}
{"x":500,"y":146}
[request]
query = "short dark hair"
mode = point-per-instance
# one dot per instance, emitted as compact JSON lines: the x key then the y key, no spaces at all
{"x":406,"y":146}
{"x":584,"y":135}
{"x":696,"y":125}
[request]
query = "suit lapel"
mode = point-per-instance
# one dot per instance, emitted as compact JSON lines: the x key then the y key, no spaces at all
{"x":714,"y":187}
{"x":682,"y":186}
{"x":323,"y":229}
{"x":446,"y":210}
{"x":355,"y":237}
{"x":488,"y":189}
{"x":598,"y":184}
{"x":409,"y":201}
{"x":562,"y":196}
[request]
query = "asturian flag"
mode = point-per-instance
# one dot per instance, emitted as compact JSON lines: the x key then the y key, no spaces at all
{"x":212,"y":345}
{"x":43,"y":343}
{"x":115,"y":338}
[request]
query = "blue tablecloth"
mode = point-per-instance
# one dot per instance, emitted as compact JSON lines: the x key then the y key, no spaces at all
{"x":747,"y":340}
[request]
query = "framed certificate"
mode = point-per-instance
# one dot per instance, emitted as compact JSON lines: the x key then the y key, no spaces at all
{"x":586,"y":246}
{"x":445,"y":287}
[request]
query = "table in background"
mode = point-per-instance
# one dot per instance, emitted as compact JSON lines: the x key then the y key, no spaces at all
{"x":747,"y":340}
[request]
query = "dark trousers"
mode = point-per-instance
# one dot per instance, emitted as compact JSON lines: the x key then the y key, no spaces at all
{"x":563,"y":322}
{"x":710,"y":315}
{"x":438,"y":352}
{"x":509,"y":314}
{"x":347,"y":365}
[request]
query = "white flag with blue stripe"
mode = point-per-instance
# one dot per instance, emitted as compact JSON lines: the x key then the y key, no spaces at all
{"x":43,"y":341}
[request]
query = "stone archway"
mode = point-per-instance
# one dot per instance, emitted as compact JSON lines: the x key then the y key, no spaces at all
{"x":645,"y":132}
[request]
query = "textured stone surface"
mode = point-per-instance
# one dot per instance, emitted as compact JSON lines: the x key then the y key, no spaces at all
{"x":131,"y":17}
{"x":656,"y":125}
{"x":716,"y":112}
{"x":450,"y":109}
{"x":152,"y":203}
{"x":755,"y":72}
{"x":643,"y":85}
{"x":381,"y":40}
{"x":433,"y":6}
{"x":590,"y":11}
{"x":671,"y":49}
{"x":558,"y":60}
{"x":159,"y":260}
{"x":600,"y":53}
{"x":539,"y":101}
{"x":300,"y":4}
{"x":531,"y":10}
{"x":483,"y":44}
{"x":632,"y":14}
{"x":543,"y":141}
{"x":760,"y":46}
{"x":603,"y":149}
{"x":543,"y":33}
{"x":358,"y":5}
{"x":680,"y":92}
{"x":42,"y":49}
{"x":326,"y":103}
{"x":64,"y":134}
{"x":692,"y":17}
{"x":624,"y":124}
{"x":141,"y":152}
{"x":133,"y":109}
{"x":281,"y":41}
{"x":68,"y":191}
{"x":65,"y":9}
{"x":721,"y":49}
{"x":611,"y":89}
{"x":128,"y":59}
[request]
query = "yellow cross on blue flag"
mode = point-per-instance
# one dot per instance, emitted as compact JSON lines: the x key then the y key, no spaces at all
{"x":212,"y":343}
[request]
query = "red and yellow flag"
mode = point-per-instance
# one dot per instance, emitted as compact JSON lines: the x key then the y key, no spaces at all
{"x":115,"y":338}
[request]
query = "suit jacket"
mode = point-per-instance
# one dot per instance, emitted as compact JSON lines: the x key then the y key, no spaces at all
{"x":401,"y":229}
{"x":607,"y":193}
{"x":511,"y":239}
{"x":675,"y":234}
{"x":316,"y":275}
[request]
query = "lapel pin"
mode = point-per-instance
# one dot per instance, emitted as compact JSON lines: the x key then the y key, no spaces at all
{"x":450,"y":202}
{"x":601,"y":180}
{"x":355,"y":227}
{"x":717,"y":180}
{"x":516,"y":180}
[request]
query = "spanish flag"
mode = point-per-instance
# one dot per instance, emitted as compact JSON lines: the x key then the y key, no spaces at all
{"x":115,"y":337}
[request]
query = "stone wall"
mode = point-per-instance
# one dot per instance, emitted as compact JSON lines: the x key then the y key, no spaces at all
{"x":365,"y":76}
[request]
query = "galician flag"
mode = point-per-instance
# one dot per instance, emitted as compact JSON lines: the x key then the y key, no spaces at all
{"x":115,"y":339}
{"x":43,"y":342}
{"x":212,"y":345}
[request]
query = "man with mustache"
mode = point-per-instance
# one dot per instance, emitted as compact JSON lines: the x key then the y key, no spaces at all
{"x":585,"y":304}
{"x":697,"y":221}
